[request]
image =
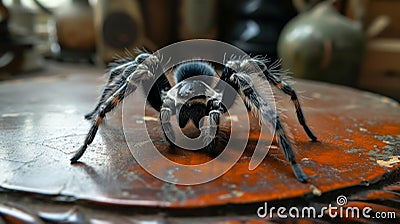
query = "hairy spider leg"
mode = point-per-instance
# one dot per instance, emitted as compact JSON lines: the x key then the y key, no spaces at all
{"x":287,"y":89}
{"x":268,"y":114}
{"x":166,"y":112}
{"x":117,"y":78}
{"x":122,"y":69}
{"x":227,"y":93}
{"x":211,"y":129}
{"x":141,"y":73}
{"x":157,"y":88}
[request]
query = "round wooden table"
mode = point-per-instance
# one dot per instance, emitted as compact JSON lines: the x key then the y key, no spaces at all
{"x":42,"y":125}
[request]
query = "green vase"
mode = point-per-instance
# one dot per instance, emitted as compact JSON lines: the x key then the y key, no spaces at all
{"x":321,"y":44}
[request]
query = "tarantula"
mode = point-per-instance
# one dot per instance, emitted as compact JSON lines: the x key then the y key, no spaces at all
{"x":127,"y":74}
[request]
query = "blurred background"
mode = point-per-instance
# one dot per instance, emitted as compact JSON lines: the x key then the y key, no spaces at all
{"x":349,"y":42}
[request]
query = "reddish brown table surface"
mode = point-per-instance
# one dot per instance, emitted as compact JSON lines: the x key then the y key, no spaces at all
{"x":42,"y":125}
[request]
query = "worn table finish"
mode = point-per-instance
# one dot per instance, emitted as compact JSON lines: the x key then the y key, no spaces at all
{"x":42,"y":126}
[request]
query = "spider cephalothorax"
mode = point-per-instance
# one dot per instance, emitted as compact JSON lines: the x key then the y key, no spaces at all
{"x":193,"y":97}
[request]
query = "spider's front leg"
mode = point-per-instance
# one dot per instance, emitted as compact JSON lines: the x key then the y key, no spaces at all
{"x":165,"y":117}
{"x":273,"y":77}
{"x":117,"y":77}
{"x":267,"y":114}
{"x":287,"y":89}
{"x":211,"y":128}
{"x":128,"y":87}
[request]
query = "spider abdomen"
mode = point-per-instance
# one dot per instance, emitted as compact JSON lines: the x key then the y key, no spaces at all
{"x":191,"y":69}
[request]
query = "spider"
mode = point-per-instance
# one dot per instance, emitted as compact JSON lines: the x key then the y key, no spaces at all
{"x":127,"y":74}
